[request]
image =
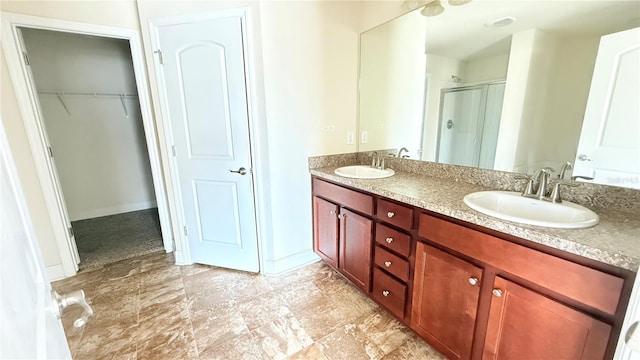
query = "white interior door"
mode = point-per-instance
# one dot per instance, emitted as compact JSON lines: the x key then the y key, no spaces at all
{"x":203,"y":71}
{"x":28,"y":327}
{"x":53,"y":171}
{"x":608,"y":149}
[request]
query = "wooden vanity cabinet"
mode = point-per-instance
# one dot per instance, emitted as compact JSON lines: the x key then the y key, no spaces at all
{"x":355,"y":248}
{"x":342,"y":231}
{"x":468,"y":293}
{"x":525,"y":323}
{"x":445,"y":300}
{"x":392,"y":265}
{"x":326,"y":229}
{"x":536,"y":305}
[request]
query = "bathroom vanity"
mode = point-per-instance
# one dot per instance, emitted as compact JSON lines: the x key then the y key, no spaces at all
{"x":471,"y":286}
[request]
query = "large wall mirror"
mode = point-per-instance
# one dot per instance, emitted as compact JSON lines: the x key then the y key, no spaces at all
{"x":508,"y":85}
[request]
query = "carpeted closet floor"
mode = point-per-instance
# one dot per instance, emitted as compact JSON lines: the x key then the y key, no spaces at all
{"x":117,"y":237}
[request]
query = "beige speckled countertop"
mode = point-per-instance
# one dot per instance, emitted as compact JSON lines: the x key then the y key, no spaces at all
{"x":615,"y":240}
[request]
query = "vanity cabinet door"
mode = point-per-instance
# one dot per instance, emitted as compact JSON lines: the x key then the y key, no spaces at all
{"x":325,"y":230}
{"x":355,"y":248}
{"x":525,"y":324}
{"x":445,"y":301}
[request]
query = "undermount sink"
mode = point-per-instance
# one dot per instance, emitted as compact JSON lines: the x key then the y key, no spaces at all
{"x":512,"y":206}
{"x":363,"y":172}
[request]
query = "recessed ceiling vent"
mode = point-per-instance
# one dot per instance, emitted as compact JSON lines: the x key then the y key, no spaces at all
{"x":505,"y":21}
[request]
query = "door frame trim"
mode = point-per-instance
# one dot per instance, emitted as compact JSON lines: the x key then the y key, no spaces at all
{"x":257,"y":128}
{"x":28,"y":102}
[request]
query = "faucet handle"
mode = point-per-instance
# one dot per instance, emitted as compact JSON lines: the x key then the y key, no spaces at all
{"x":528,"y":189}
{"x":555,"y":193}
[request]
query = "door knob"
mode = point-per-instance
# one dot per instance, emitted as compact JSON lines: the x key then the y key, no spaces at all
{"x":61,"y":302}
{"x":583,"y":157}
{"x":241,"y":171}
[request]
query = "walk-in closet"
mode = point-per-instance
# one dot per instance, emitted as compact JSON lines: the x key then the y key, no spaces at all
{"x":87,"y":93}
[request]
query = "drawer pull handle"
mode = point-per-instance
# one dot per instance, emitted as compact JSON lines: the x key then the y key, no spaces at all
{"x":385,"y":293}
{"x":387,"y":263}
{"x":473,"y":281}
{"x":497,"y":292}
{"x":391,"y":214}
{"x":389,"y":240}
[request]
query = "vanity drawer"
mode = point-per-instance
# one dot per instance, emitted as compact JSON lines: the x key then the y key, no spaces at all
{"x":349,"y":198}
{"x":578,"y":282}
{"x":393,"y":239}
{"x":396,"y":214}
{"x":393,"y":264}
{"x":389,"y":292}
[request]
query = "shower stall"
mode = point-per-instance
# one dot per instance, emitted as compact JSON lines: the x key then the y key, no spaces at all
{"x":469,"y":124}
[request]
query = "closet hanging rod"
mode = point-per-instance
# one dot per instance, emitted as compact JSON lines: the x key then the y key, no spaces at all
{"x":86,"y":94}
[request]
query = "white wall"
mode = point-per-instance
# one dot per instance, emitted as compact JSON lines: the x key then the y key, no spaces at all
{"x":122,"y":14}
{"x":439,"y":71}
{"x":566,"y":96}
{"x":310,"y":52}
{"x":486,"y":68}
{"x":99,"y":151}
{"x":547,"y":107}
{"x":525,"y":46}
{"x":306,"y":83}
{"x":392,"y":80}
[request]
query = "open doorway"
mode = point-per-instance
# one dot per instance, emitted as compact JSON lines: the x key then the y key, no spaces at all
{"x":91,"y":114}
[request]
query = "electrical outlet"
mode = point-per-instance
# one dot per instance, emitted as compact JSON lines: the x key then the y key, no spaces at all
{"x":350,"y":137}
{"x":364,"y":137}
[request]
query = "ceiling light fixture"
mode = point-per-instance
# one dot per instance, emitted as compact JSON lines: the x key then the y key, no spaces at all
{"x":458,"y":2}
{"x":433,"y":8}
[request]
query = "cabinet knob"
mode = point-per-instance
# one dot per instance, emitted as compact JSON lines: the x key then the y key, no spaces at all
{"x":473,"y":281}
{"x":497,"y":292}
{"x":341,"y":216}
{"x":391,"y":214}
{"x":387,"y":263}
{"x":389,"y":240}
{"x":385,"y":292}
{"x":332,"y":212}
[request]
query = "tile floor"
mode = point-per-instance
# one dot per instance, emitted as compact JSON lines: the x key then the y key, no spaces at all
{"x":147,"y":308}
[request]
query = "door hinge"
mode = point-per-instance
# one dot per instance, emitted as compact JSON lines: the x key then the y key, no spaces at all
{"x":71,"y":234}
{"x":186,"y":233}
{"x":159,"y":52}
{"x":173,"y":150}
{"x":26,"y":58}
{"x":50,"y":151}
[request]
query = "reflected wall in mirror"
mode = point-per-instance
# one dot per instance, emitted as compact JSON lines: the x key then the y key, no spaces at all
{"x":560,"y":83}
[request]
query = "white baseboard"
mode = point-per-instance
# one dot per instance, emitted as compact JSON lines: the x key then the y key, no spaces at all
{"x":55,"y":272}
{"x":94,"y":213}
{"x":278,"y":266}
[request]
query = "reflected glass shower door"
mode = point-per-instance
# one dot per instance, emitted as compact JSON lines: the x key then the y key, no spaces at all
{"x":460,"y":121}
{"x":469,"y":124}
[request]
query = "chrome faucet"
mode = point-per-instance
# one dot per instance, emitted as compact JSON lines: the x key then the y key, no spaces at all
{"x":542,"y":178}
{"x":377,"y":160}
{"x":566,"y":166}
{"x":400,"y":153}
{"x":543,"y":181}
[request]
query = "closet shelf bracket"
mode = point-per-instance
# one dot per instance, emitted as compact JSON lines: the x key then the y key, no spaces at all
{"x":124,"y":105}
{"x":64,"y":105}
